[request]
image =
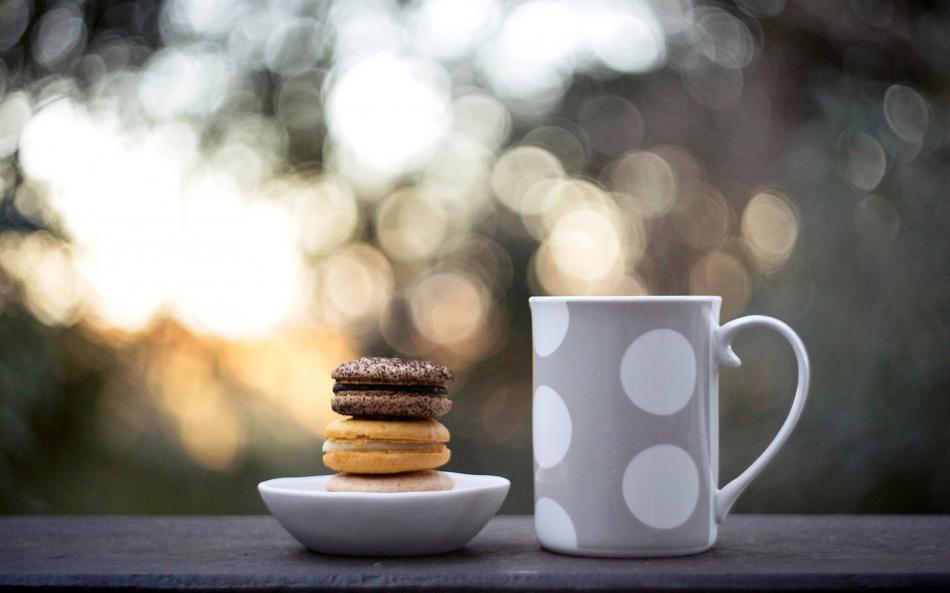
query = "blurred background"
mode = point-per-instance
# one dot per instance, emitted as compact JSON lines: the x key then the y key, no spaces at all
{"x":209,"y":204}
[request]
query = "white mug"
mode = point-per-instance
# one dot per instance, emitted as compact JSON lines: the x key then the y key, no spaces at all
{"x":626,"y":422}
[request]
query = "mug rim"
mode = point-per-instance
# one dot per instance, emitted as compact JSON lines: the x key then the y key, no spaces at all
{"x":628,"y":299}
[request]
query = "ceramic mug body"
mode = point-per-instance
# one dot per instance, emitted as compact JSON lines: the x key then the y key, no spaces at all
{"x":625,"y":423}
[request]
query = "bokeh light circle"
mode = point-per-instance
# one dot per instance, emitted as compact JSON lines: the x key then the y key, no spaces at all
{"x":647,"y":179}
{"x":770,"y":228}
{"x":449,"y":308}
{"x":356,"y":282}
{"x":410,"y":224}
{"x":518,"y":169}
{"x":362,"y":103}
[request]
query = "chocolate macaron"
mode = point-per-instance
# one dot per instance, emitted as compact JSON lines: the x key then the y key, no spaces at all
{"x":391,"y":387}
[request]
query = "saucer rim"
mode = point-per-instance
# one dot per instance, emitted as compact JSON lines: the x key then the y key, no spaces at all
{"x":493,"y":482}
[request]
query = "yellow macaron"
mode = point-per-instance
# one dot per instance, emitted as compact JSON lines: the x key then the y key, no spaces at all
{"x":362,"y":446}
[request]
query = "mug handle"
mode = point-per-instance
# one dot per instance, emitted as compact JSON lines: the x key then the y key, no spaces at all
{"x":722,"y":350}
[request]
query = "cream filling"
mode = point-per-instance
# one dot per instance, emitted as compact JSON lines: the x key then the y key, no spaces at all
{"x":361,"y":445}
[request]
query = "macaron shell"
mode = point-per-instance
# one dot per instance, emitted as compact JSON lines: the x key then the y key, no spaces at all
{"x":424,"y":431}
{"x":390,"y":403}
{"x":385,"y":462}
{"x":394,"y":371}
{"x":420,"y":481}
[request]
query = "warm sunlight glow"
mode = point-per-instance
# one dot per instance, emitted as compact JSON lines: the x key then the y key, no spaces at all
{"x":152,"y":233}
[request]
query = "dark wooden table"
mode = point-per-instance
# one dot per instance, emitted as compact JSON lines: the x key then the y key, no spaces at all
{"x":253,"y":553}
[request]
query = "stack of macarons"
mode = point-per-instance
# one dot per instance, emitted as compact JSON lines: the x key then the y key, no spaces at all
{"x":392,"y":442}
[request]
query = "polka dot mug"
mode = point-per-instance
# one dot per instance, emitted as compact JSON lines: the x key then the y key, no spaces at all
{"x":626,"y":422}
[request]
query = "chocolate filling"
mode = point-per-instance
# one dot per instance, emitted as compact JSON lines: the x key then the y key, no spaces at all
{"x":434,"y":389}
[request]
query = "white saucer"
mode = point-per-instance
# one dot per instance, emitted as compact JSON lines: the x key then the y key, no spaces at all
{"x":384,"y":524}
